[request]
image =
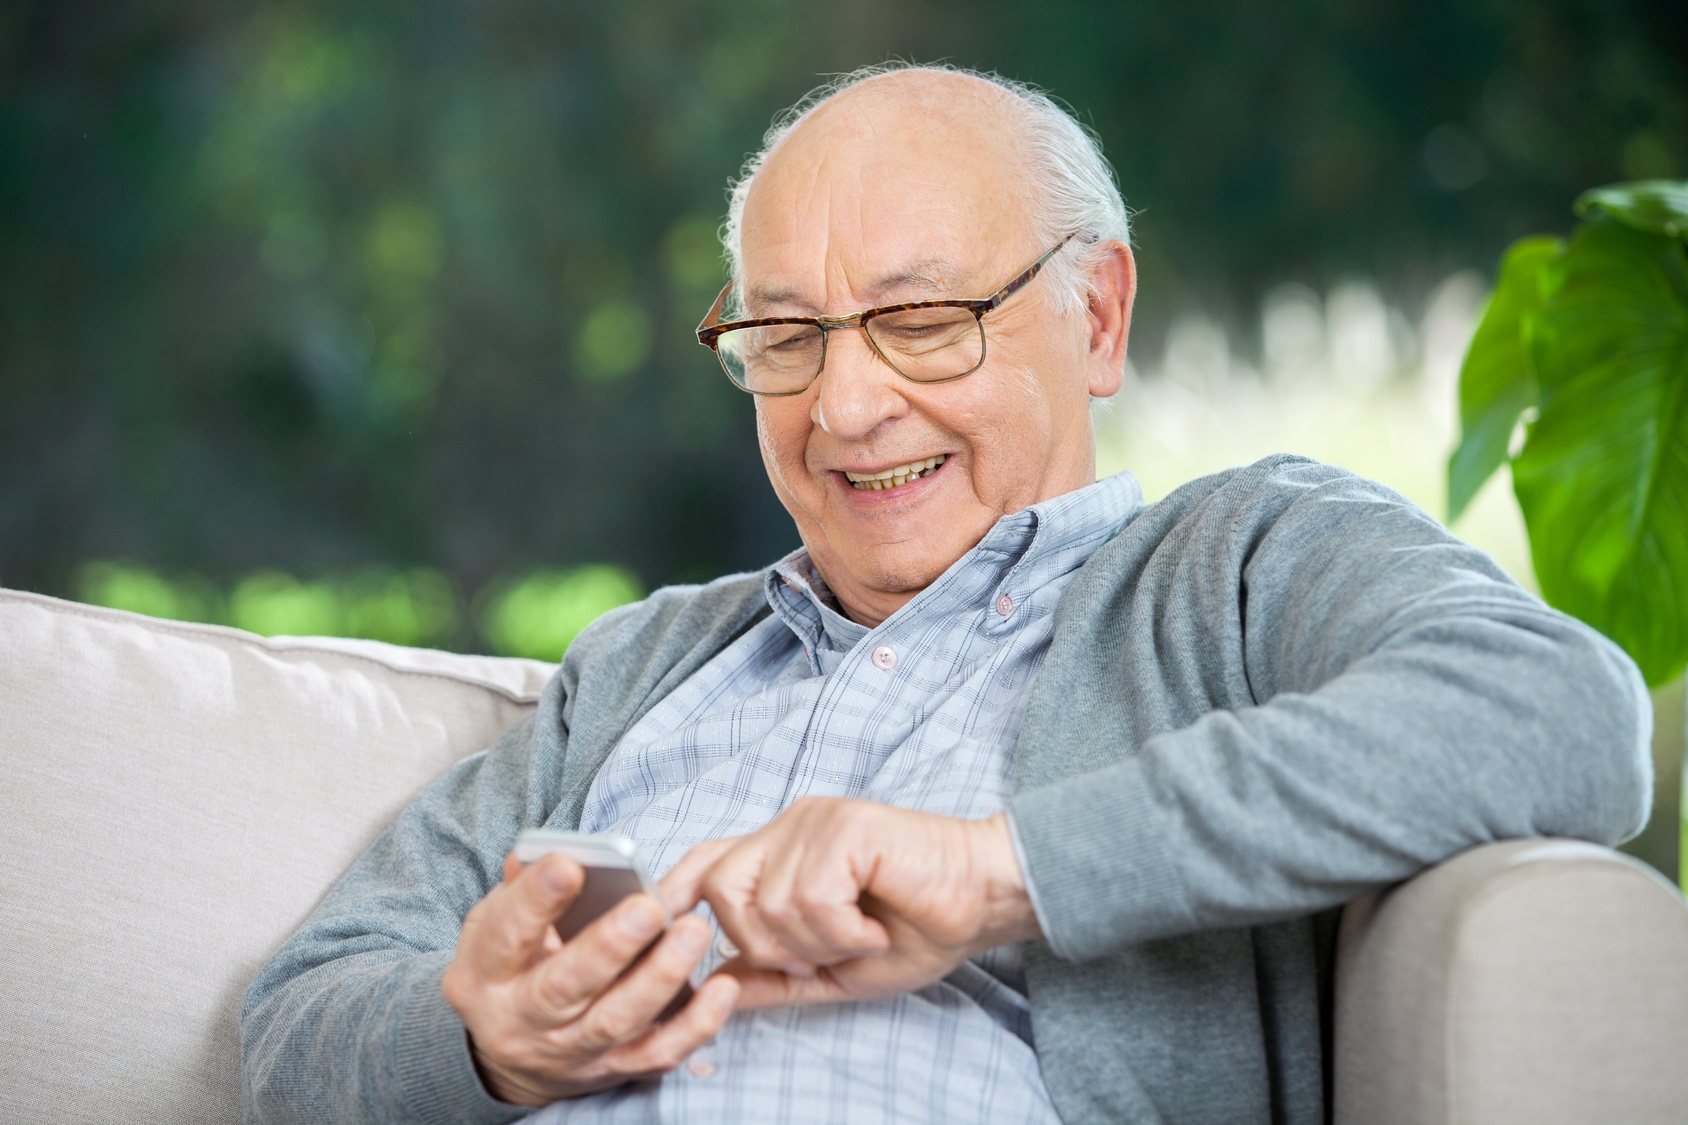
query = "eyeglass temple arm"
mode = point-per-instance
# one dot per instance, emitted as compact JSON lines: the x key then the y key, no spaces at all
{"x":713,"y":316}
{"x":1025,"y":278}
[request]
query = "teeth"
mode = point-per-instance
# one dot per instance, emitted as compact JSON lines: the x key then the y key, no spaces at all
{"x":897,"y":475}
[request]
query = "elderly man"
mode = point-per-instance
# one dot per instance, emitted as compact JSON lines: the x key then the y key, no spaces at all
{"x":1007,"y":795}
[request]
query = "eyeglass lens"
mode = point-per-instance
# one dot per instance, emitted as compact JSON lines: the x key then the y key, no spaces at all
{"x":925,"y":345}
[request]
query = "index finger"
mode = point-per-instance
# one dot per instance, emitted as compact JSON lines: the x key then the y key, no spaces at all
{"x":506,"y":931}
{"x":682,"y":887}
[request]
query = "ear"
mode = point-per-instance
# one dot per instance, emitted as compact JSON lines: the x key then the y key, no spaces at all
{"x":1113,"y":285}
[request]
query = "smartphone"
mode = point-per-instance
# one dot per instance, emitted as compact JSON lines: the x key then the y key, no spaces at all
{"x":613,"y":872}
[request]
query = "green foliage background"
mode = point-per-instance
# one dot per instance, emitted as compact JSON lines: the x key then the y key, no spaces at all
{"x":328,"y":286}
{"x":1585,"y":344}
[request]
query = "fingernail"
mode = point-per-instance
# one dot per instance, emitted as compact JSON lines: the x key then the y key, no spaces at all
{"x":641,"y":919}
{"x":557,"y":878}
{"x":692,"y":940}
{"x":724,"y":1000}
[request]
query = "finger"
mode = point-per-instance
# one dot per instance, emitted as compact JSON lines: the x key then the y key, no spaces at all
{"x":834,"y":926}
{"x":633,"y":1003}
{"x":830,"y":933}
{"x":731,"y":889}
{"x":681,"y":886}
{"x":510,"y":923}
{"x":565,"y":983}
{"x":809,"y":897}
{"x":761,"y":988}
{"x":806,"y":894}
{"x":776,"y":908}
{"x":666,"y":1046}
{"x":549,"y":940}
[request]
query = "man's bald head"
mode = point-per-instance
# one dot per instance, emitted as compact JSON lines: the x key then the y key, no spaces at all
{"x":1053,"y":168}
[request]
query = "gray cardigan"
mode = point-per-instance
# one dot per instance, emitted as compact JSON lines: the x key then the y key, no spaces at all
{"x":1275,"y":690}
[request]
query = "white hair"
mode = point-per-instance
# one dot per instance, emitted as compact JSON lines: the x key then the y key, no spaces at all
{"x":1074,"y":187}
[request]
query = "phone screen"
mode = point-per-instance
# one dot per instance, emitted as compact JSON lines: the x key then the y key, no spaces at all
{"x":604,"y":887}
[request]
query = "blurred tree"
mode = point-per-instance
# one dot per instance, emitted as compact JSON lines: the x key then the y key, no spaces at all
{"x":317,"y":285}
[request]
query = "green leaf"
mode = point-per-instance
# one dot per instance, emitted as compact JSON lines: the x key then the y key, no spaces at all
{"x":1653,"y":206}
{"x":1603,"y":476}
{"x":1495,"y":382}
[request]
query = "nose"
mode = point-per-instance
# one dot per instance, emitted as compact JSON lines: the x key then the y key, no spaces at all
{"x":858,"y":389}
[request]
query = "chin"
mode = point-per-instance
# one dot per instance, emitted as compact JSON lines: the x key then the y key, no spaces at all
{"x":901,"y":576}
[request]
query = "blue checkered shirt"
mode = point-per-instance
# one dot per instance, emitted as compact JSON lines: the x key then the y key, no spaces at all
{"x":922,"y":712}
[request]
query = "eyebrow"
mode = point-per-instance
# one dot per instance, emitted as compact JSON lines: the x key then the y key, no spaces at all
{"x":931,"y":276}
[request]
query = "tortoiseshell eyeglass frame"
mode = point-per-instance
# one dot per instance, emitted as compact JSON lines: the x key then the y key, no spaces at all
{"x":709,"y":333}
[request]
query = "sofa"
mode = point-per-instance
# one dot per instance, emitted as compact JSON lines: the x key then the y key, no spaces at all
{"x":177,"y":797}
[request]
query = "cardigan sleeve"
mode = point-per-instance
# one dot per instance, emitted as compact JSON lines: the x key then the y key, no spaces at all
{"x":347,"y":1021}
{"x":1349,"y":694}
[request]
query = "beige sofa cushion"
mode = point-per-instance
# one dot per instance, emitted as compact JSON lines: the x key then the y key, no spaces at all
{"x":1533,"y":982}
{"x":174,"y":800}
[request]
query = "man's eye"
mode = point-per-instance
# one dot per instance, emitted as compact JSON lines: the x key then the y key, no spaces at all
{"x":925,"y":331}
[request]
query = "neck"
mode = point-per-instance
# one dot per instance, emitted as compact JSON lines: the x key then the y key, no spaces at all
{"x":873,"y":610}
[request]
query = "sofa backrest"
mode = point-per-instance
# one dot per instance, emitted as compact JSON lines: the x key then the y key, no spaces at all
{"x":174,"y":799}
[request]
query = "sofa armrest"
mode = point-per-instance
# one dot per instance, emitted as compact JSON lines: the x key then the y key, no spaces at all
{"x":1532,"y":981}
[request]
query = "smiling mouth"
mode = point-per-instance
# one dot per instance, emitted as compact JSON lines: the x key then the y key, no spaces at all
{"x":901,"y":474}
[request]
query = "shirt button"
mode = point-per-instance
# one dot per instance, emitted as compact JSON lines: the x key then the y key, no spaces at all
{"x":884,"y":658}
{"x":1004,"y":605}
{"x":700,"y":1068}
{"x":726,"y":948}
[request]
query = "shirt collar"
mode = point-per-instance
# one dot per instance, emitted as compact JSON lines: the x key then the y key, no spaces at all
{"x":1025,"y":549}
{"x":802,"y":599}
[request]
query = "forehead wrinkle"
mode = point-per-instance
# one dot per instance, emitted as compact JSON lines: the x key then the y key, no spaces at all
{"x":929,"y":275}
{"x":815,"y":187}
{"x":934,"y":277}
{"x":773,"y":295}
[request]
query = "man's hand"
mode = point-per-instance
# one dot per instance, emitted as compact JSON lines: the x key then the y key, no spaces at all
{"x":846,"y":900}
{"x":550,"y":1020}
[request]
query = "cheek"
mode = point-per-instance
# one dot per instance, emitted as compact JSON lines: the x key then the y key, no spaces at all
{"x":1015,"y":411}
{"x":1011,"y":427}
{"x":782,"y":428}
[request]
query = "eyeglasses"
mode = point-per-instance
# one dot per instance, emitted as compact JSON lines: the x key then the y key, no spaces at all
{"x":923,"y":341}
